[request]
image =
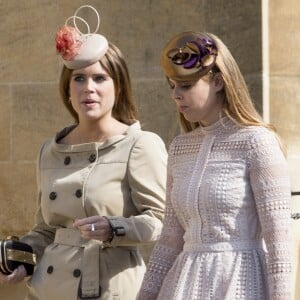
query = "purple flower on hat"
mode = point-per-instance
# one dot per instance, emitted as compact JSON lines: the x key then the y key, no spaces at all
{"x":198,"y":53}
{"x":68,"y":42}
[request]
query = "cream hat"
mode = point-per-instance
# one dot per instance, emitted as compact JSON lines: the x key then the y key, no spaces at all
{"x":79,"y":50}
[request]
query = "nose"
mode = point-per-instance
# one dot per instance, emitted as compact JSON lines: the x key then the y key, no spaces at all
{"x":176,"y":94}
{"x":89,"y":86}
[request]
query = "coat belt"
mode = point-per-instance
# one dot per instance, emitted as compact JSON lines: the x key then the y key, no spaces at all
{"x":90,"y":281}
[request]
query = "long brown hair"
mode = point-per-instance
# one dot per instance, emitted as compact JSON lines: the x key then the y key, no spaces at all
{"x":113,"y":62}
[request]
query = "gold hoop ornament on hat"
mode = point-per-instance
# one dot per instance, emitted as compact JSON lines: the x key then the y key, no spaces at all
{"x":189,"y":56}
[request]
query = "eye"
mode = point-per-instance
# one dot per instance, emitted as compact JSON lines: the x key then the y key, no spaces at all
{"x":186,"y":86}
{"x":78,"y":78}
{"x":99,"y":78}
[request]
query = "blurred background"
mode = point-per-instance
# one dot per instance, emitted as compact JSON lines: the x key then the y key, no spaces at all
{"x":263,"y":36}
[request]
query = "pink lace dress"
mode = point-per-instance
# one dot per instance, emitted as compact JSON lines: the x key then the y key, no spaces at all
{"x":226,"y":231}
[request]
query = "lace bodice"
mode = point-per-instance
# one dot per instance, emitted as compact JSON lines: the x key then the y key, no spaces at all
{"x":228,"y":194}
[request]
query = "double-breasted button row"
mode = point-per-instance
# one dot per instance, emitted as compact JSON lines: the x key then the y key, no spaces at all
{"x":67,"y":160}
{"x":92,"y":158}
{"x":78,"y":193}
{"x":53,"y":195}
{"x":76,"y":272}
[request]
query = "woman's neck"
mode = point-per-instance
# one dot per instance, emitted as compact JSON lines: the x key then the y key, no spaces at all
{"x":91,"y":132}
{"x":88,"y":132}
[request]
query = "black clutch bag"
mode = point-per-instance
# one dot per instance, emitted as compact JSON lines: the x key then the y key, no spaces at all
{"x":14,"y":253}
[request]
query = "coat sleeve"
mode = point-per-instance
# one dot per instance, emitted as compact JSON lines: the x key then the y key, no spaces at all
{"x":41,"y":235}
{"x":271,"y":188}
{"x":166,"y":249}
{"x":146,"y":174}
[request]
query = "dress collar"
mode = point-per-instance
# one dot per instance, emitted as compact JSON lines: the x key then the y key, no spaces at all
{"x":218,"y":126}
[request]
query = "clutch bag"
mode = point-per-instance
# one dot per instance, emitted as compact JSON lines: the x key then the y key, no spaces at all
{"x":14,"y":253}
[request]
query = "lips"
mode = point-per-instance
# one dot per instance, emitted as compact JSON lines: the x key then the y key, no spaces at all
{"x":89,"y":102}
{"x":182,"y":108}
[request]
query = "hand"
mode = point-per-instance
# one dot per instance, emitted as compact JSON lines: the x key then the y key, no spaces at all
{"x":15,"y":277}
{"x":102,"y":229}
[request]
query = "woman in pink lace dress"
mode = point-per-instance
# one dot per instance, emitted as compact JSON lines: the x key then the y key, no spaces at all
{"x":226,"y":232}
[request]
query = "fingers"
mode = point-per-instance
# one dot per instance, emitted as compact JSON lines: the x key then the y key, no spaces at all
{"x":16,"y":276}
{"x":95,"y":227}
{"x":87,"y":221}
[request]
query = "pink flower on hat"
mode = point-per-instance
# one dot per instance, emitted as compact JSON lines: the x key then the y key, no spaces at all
{"x":68,"y":42}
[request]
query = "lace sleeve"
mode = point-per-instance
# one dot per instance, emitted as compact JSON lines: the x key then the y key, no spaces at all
{"x":271,"y":187}
{"x":166,"y":249}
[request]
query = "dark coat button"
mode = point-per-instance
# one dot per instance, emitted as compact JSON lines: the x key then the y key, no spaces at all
{"x":92,"y":157}
{"x":50,"y":269}
{"x":52,"y":196}
{"x":78,"y":193}
{"x":67,"y":160}
{"x":76,"y":273}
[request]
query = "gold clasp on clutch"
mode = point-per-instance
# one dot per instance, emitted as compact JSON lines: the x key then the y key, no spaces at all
{"x":21,"y":256}
{"x":12,"y":237}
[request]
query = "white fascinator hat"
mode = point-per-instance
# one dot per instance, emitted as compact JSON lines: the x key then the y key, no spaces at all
{"x":78,"y":49}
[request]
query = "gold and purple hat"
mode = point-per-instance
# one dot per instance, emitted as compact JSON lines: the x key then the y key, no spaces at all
{"x":189,"y":56}
{"x":77,"y":49}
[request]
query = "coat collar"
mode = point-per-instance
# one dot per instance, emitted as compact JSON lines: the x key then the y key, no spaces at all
{"x":94,"y":145}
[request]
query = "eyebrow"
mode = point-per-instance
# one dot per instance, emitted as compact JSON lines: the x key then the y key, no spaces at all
{"x":181,"y":82}
{"x":101,"y":73}
{"x":83,"y":74}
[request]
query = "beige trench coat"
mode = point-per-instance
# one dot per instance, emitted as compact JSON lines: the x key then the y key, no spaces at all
{"x":122,"y":178}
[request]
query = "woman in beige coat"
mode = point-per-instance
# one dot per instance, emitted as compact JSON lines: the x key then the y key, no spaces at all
{"x":101,"y":183}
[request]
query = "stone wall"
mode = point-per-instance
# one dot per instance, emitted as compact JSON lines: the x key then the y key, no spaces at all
{"x":284,"y":70}
{"x":30,"y":108}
